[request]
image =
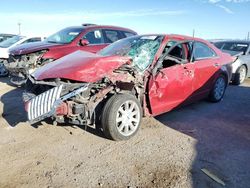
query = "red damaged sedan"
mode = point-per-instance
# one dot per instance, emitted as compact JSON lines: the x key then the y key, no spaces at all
{"x":134,"y":77}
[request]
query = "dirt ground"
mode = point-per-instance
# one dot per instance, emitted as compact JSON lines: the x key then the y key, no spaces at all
{"x":168,"y":151}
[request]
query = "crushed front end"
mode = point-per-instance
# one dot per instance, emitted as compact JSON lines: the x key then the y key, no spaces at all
{"x":67,"y":101}
{"x":21,"y":66}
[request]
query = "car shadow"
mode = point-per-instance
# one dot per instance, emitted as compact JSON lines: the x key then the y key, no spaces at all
{"x":13,"y":108}
{"x":94,"y":131}
{"x":222,"y":131}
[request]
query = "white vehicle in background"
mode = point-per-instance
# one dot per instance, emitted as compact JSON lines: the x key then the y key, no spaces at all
{"x":9,"y":43}
{"x":241,"y":50}
{"x":4,"y":36}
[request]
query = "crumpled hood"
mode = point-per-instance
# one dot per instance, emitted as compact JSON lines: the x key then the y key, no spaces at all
{"x":81,"y":66}
{"x":31,"y":47}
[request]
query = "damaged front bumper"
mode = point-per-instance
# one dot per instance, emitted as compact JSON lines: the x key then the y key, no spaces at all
{"x":21,"y":66}
{"x":45,"y":105}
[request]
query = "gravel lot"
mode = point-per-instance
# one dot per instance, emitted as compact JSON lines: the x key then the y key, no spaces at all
{"x":169,"y":150}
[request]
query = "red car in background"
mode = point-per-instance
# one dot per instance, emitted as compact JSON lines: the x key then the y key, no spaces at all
{"x":26,"y":58}
{"x":131,"y":78}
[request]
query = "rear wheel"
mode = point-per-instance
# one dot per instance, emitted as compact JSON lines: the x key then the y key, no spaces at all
{"x":218,"y":90}
{"x":240,"y":75}
{"x":121,"y":117}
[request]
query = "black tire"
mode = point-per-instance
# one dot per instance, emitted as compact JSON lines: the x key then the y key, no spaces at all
{"x":111,"y":112}
{"x":238,"y":75}
{"x":217,"y":92}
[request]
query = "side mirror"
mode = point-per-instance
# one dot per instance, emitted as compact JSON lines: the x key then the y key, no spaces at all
{"x":84,"y":42}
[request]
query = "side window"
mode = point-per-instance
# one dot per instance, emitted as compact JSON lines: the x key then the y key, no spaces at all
{"x":128,"y":34}
{"x":36,"y":39}
{"x":174,"y":55}
{"x":202,"y":51}
{"x":177,"y":52}
{"x":94,"y":37}
{"x":111,"y":36}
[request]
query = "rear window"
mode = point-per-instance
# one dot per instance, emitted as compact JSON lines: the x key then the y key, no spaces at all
{"x":7,"y":43}
{"x":111,"y":35}
{"x":232,"y":46}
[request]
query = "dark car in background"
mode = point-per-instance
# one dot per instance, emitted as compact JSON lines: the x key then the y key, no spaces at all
{"x":241,"y":50}
{"x":25,"y":59}
{"x":133,"y":77}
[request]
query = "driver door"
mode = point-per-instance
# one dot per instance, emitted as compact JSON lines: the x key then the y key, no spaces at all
{"x":172,"y":85}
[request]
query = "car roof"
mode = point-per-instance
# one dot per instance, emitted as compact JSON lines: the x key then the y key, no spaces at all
{"x":185,"y":37}
{"x":177,"y":37}
{"x":93,"y":26}
{"x":5,"y":34}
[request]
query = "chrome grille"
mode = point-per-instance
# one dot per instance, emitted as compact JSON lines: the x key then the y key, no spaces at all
{"x":43,"y":103}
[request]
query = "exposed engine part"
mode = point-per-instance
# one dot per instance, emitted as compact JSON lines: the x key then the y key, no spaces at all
{"x":77,"y":102}
{"x":21,"y":66}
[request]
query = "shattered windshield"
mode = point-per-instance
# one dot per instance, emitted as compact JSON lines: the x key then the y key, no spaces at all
{"x":64,"y":36}
{"x":141,"y":49}
{"x":9,"y":42}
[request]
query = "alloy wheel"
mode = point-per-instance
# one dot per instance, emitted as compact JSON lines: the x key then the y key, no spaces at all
{"x":128,"y":118}
{"x":219,"y":88}
{"x":242,"y":73}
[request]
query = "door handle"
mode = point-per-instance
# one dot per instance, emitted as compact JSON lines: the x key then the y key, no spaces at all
{"x":216,"y":64}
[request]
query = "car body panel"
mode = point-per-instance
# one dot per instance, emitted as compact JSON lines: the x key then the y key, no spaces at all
{"x":162,"y":89}
{"x":32,"y":47}
{"x":83,"y":67}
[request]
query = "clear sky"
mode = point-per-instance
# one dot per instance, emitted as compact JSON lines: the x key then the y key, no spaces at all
{"x":211,"y":19}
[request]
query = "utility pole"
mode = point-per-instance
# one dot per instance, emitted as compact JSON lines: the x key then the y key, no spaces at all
{"x":19,"y":28}
{"x":193,"y":33}
{"x":248,"y":35}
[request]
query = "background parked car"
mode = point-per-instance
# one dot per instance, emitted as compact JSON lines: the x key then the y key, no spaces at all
{"x":131,"y":78}
{"x":6,"y":45}
{"x":241,"y":66}
{"x":24,"y":59}
{"x":5,"y":36}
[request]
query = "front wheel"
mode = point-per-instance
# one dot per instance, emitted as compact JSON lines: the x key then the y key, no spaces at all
{"x":218,"y":89}
{"x":240,"y":75}
{"x":121,"y":117}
